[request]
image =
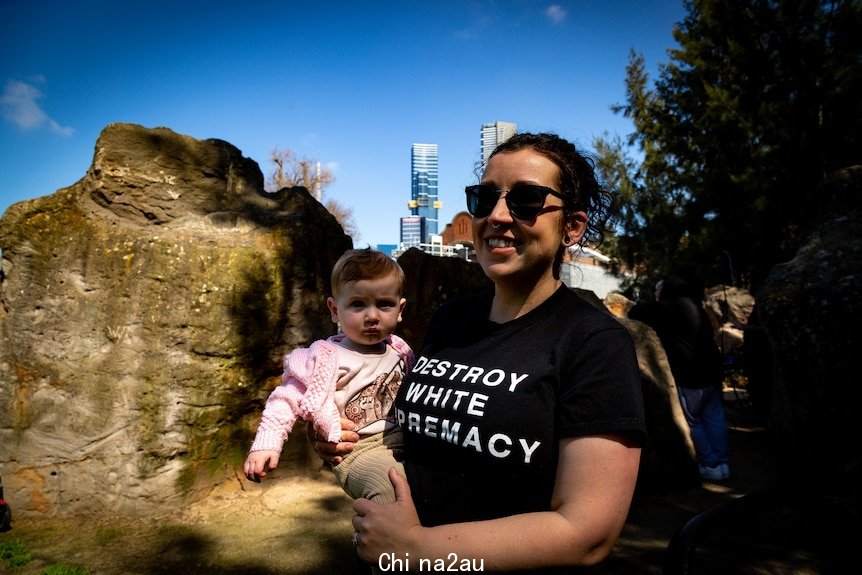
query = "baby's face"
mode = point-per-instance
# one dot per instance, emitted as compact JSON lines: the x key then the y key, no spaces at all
{"x":368,"y":310}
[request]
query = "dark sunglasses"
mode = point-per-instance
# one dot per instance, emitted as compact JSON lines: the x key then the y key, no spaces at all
{"x":525,"y":201}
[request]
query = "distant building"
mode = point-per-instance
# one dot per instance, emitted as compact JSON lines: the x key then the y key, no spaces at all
{"x":412,"y":231}
{"x":424,"y":201}
{"x":495,"y":134}
{"x":586,"y":268}
{"x":387,"y":249}
{"x":460,"y":233}
{"x":455,"y":241}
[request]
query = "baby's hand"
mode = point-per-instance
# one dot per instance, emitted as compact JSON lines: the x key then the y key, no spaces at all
{"x":258,"y":463}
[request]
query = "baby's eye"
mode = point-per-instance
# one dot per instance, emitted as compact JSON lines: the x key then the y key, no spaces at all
{"x":357,"y":304}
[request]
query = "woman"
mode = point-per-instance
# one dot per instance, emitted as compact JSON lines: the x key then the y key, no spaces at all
{"x":522,"y":416}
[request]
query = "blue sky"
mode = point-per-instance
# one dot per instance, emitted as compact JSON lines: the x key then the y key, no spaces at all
{"x":351,"y":84}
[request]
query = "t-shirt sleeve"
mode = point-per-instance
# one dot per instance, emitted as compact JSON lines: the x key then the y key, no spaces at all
{"x":600,"y":389}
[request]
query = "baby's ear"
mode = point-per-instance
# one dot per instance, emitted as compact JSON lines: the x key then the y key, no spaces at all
{"x":333,"y":309}
{"x":401,"y":305}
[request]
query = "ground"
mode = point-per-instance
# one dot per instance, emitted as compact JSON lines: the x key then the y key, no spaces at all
{"x":300,"y":525}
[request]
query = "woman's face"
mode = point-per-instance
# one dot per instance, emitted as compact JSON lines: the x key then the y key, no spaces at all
{"x":515,"y":252}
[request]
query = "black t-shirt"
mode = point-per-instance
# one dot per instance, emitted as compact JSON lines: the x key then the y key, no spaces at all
{"x":486,"y":404}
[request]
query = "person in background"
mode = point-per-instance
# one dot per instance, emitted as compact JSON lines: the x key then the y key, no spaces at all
{"x":523,"y":417}
{"x":354,"y":375}
{"x":695,"y":361}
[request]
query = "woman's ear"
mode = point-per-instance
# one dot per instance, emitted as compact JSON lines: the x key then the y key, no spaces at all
{"x":574,"y":229}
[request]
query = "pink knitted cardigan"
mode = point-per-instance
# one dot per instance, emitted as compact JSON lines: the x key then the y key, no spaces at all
{"x":308,"y":392}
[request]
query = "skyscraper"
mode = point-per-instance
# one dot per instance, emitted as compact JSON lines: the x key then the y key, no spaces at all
{"x":423,"y":189}
{"x":494,"y":135}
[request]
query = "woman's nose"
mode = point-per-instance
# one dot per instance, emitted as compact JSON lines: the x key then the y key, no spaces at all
{"x":500,"y":213}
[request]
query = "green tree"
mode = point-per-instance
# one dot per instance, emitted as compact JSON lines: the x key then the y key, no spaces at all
{"x":761,"y":99}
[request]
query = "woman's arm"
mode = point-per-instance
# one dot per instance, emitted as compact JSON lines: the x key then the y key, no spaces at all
{"x":593,"y":490}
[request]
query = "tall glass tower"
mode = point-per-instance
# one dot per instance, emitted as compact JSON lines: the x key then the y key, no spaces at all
{"x":494,"y":135}
{"x":423,"y":189}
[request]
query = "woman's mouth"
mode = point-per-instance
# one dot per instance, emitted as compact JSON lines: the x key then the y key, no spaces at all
{"x":501,"y":243}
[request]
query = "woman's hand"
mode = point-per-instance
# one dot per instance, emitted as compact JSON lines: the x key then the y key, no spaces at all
{"x":393,"y":528}
{"x":333,"y":453}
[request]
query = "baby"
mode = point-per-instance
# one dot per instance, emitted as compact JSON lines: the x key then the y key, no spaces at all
{"x":354,"y":375}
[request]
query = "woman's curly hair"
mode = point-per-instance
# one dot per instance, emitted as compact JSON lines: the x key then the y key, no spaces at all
{"x":578,"y":181}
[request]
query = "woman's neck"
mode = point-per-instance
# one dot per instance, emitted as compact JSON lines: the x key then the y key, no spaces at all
{"x":511,"y":303}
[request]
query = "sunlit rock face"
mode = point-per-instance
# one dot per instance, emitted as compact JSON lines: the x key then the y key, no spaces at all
{"x":145,"y":310}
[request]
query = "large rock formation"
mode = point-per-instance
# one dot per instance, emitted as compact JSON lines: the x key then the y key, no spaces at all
{"x":809,"y":309}
{"x":728,"y":308}
{"x":429,"y":283}
{"x":145,"y":310}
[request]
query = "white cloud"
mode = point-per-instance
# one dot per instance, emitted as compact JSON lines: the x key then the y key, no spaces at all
{"x":555,"y":13}
{"x":19,"y":104}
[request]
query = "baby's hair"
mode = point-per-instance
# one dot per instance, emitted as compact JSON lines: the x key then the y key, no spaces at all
{"x":364,"y":264}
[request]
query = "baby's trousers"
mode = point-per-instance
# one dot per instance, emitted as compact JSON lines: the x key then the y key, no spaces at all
{"x":364,"y":472}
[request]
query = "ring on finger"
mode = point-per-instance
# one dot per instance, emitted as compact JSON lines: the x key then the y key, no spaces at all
{"x":355,"y":539}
